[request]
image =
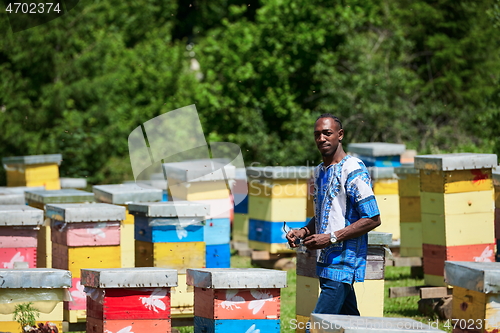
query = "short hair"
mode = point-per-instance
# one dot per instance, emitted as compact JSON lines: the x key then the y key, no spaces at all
{"x":329,"y":115}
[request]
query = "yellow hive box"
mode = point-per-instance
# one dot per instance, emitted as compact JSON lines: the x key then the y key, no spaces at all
{"x":497,"y":196}
{"x":457,"y":203}
{"x":456,"y":181}
{"x":411,"y":239}
{"x":310,"y":207}
{"x":278,"y":188}
{"x":300,"y":324}
{"x":385,"y":186}
{"x":473,"y":306}
{"x":199,"y":190}
{"x":240,"y":228}
{"x":175,"y":255}
{"x":269,"y":247}
{"x":369,"y":296}
{"x":409,"y":186}
{"x":127,"y":244}
{"x":277,"y":209}
{"x":388,"y":205}
{"x":76,"y":258}
{"x":129,"y":218}
{"x":409,"y":209}
{"x":75,"y":316}
{"x":182,"y":301}
{"x":458,"y":229}
{"x":434,"y":280}
{"x":44,"y":247}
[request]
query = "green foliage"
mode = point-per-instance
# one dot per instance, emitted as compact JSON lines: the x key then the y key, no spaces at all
{"x":422,"y":72}
{"x":26,"y":315}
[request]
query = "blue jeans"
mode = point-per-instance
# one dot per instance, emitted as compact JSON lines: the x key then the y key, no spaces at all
{"x":336,"y":298}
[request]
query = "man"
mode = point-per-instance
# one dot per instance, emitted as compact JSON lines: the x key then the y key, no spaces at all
{"x":345,"y":210}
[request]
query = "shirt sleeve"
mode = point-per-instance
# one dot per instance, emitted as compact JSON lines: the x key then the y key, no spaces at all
{"x":360,"y":192}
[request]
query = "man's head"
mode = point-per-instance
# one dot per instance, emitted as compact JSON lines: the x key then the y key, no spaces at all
{"x":328,"y":134}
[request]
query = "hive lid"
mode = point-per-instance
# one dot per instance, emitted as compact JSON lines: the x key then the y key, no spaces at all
{"x":326,"y":323}
{"x":35,"y":278}
{"x":59,"y":196}
{"x":20,"y":189}
{"x":458,"y":161}
{"x":382,"y":172}
{"x":483,"y":277}
{"x":379,"y":238}
{"x":170,"y":209}
{"x":33,"y":159}
{"x":236,"y":278}
{"x":406,"y":169}
{"x":138,"y":277}
{"x":73,"y":182}
{"x":90,"y":212}
{"x":376,"y":148}
{"x":126,"y":193}
{"x":199,"y":170}
{"x":280,"y":172}
{"x":20,"y":215}
{"x":12,"y":199}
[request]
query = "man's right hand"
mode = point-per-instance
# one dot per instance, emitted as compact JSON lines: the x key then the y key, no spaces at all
{"x":293,"y":235}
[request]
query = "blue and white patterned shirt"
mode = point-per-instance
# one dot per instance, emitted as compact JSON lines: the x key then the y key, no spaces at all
{"x":342,"y":195}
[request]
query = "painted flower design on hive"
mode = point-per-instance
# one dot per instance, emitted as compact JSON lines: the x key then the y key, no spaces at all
{"x":127,"y":329}
{"x":181,"y":232}
{"x":16,"y":258}
{"x":79,"y":293}
{"x":261,"y":297}
{"x":232,"y":300}
{"x":485,"y":256}
{"x":252,"y":329}
{"x":154,"y":302}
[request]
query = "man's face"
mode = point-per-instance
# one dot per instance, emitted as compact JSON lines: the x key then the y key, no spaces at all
{"x":327,"y":135}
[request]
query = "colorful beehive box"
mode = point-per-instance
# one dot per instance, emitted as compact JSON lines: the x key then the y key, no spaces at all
{"x":34,"y":170}
{"x":476,"y":295}
{"x":129,"y":299}
{"x":19,"y":225}
{"x":455,"y":190}
{"x":369,"y":294}
{"x":84,"y":236}
{"x":38,"y":199}
{"x":378,"y":154}
{"x":276,"y":194}
{"x":44,"y":287}
{"x":386,"y":190}
{"x":409,"y":211}
{"x":496,"y":184}
{"x":171,"y":236}
{"x":325,"y":323}
{"x":124,"y":194}
{"x":236,"y":299}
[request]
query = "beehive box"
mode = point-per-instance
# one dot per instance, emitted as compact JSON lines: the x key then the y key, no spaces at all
{"x":240,"y":228}
{"x":42,"y":286}
{"x":84,"y":236}
{"x":19,"y":226}
{"x":409,"y":211}
{"x":218,"y":256}
{"x":378,"y":154}
{"x":385,"y":188}
{"x":38,"y":199}
{"x":496,"y":184}
{"x":455,"y":190}
{"x":476,"y":295}
{"x":129,"y":299}
{"x":270,"y":232}
{"x":237,"y":299}
{"x":369,"y":294}
{"x":34,"y":170}
{"x":324,"y":323}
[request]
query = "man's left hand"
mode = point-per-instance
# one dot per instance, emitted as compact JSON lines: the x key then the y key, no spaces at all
{"x":317,"y":241}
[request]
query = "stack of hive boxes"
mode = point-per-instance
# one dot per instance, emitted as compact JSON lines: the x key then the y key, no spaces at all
{"x":240,"y":198}
{"x":35,"y":170}
{"x":276,"y":195}
{"x":236,"y":299}
{"x":84,"y":236}
{"x":496,"y":183}
{"x":170,"y":235}
{"x":19,"y":226}
{"x":457,"y":210}
{"x":44,"y":288}
{"x":409,"y":211}
{"x":369,"y":294}
{"x":207,"y":182}
{"x":476,"y":295}
{"x":38,"y":199}
{"x":381,"y":158}
{"x":15,"y":195}
{"x":124,"y":194}
{"x":129,"y":299}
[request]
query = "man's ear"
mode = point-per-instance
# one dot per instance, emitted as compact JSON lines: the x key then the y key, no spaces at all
{"x":341,"y":134}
